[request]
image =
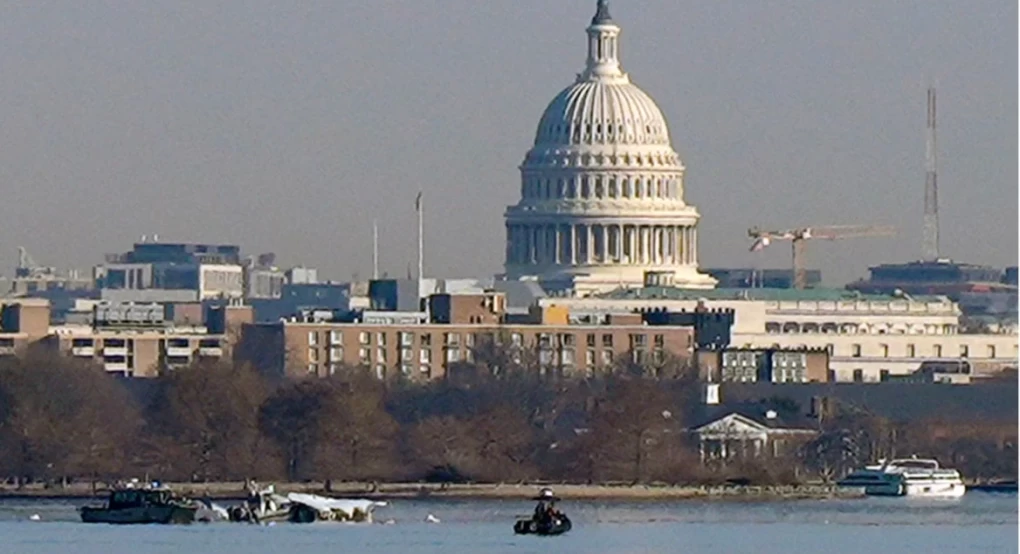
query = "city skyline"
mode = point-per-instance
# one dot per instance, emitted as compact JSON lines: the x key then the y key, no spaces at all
{"x":160,"y":119}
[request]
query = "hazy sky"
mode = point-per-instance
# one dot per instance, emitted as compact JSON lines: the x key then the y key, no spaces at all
{"x":289,"y":126}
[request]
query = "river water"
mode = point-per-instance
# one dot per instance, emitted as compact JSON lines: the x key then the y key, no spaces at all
{"x":978,"y":522}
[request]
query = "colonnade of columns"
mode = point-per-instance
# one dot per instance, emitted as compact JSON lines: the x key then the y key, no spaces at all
{"x":580,"y":244}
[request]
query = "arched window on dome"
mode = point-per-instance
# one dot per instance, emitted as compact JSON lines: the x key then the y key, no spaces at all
{"x":612,"y":187}
{"x":639,"y":188}
{"x":658,"y":188}
{"x":548,"y":189}
{"x":626,"y":188}
{"x":585,"y":188}
{"x":571,"y":189}
{"x":599,"y":192}
{"x":561,"y":189}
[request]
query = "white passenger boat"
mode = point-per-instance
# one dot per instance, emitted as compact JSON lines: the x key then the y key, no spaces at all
{"x":907,"y":477}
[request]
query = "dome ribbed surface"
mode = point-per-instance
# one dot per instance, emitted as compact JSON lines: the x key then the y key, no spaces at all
{"x":597,"y":112}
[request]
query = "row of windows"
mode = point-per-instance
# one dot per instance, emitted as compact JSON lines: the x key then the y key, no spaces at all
{"x":773,"y":327}
{"x":912,"y":352}
{"x":406,"y":338}
{"x":599,"y":187}
{"x":588,"y":132}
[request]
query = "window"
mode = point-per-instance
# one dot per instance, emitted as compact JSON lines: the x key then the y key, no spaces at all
{"x":469,"y":339}
{"x":453,"y":355}
{"x":313,"y":355}
{"x":516,"y":339}
{"x":660,"y":341}
{"x":831,"y":375}
{"x":911,"y":351}
{"x":336,"y":354}
{"x":589,"y":357}
{"x":380,"y":339}
{"x":638,"y":341}
{"x":884,"y":348}
{"x":313,"y":338}
{"x":333,"y":368}
{"x":425,"y":356}
{"x":590,"y":340}
{"x":883,"y":375}
{"x":336,"y":337}
{"x":451,"y":339}
{"x":964,"y":350}
{"x":858,"y":375}
{"x":380,"y":354}
{"x":364,"y":355}
{"x":855,"y":351}
{"x":937,"y":350}
{"x":991,"y":350}
{"x":426,"y":339}
{"x":365,"y":337}
{"x":312,"y":369}
{"x":607,"y":357}
{"x":567,"y":339}
{"x":607,"y":341}
{"x":406,"y":339}
{"x":406,"y":355}
{"x":380,"y":372}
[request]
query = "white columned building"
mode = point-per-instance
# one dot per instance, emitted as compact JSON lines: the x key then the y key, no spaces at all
{"x":602,"y":188}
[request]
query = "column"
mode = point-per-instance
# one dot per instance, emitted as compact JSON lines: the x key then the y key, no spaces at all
{"x":589,"y":241}
{"x":619,"y":243}
{"x":604,"y":250}
{"x":573,"y":245}
{"x":681,"y":250}
{"x":694,"y":245}
{"x":646,"y":245}
{"x":558,"y":245}
{"x":658,"y":244}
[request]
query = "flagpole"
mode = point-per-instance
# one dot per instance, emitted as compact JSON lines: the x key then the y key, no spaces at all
{"x":419,"y":205}
{"x":375,"y":249}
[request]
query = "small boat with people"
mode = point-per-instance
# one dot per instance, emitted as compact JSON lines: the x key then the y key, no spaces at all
{"x":129,"y":504}
{"x":547,"y":519}
{"x":913,"y":477}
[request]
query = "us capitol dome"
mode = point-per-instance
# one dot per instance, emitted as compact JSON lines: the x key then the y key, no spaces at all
{"x":602,"y":188}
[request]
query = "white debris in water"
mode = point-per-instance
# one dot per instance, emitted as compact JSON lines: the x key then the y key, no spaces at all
{"x":34,"y":517}
{"x":431,"y":519}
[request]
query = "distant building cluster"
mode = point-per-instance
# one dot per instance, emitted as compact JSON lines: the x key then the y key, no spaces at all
{"x":601,"y":269}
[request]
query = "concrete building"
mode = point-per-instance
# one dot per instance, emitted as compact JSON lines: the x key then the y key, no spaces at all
{"x":602,"y":189}
{"x":133,"y":340}
{"x":420,"y":347}
{"x":750,"y":278}
{"x":212,"y":271}
{"x":867,"y":336}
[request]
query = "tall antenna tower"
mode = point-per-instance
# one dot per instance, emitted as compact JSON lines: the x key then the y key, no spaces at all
{"x":931,"y":187}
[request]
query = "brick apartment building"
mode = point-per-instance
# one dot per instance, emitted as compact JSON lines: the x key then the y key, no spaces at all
{"x":424,"y":345}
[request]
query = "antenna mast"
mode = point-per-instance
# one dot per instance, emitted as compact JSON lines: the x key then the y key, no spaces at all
{"x":931,"y":187}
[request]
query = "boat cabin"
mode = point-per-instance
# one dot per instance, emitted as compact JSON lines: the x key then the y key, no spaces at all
{"x":133,"y":498}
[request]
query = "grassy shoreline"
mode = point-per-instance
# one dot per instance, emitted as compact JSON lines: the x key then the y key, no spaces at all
{"x":470,"y":491}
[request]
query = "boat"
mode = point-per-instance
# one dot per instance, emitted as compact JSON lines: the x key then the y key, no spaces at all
{"x":130,"y":505}
{"x":266,"y":506}
{"x":546,"y":520}
{"x":556,"y":526}
{"x":914,"y":476}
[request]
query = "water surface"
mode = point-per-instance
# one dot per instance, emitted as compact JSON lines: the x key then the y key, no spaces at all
{"x":979,"y":522}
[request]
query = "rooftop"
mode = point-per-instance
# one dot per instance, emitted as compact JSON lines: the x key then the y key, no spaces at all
{"x":762,"y":294}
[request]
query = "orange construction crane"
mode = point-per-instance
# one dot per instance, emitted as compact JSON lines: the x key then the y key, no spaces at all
{"x":798,"y":236}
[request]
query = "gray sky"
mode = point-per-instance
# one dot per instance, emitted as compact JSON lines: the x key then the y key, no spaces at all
{"x":288,"y":126}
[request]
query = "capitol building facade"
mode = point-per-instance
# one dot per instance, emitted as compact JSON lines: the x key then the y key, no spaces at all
{"x":602,"y":188}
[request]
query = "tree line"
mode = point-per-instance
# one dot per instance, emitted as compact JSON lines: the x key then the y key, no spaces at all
{"x":492,"y":420}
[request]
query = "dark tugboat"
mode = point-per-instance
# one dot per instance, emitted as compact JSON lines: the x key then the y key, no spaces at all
{"x":127,"y":505}
{"x":547,"y":519}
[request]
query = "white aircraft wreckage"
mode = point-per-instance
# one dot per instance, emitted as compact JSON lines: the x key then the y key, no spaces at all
{"x":265,"y":506}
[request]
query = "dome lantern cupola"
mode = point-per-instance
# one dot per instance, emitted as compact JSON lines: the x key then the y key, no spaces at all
{"x":603,"y":44}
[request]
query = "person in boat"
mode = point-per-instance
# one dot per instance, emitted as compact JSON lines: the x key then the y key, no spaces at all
{"x":546,"y":510}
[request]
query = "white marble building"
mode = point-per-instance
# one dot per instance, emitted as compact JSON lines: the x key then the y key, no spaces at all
{"x":602,"y":188}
